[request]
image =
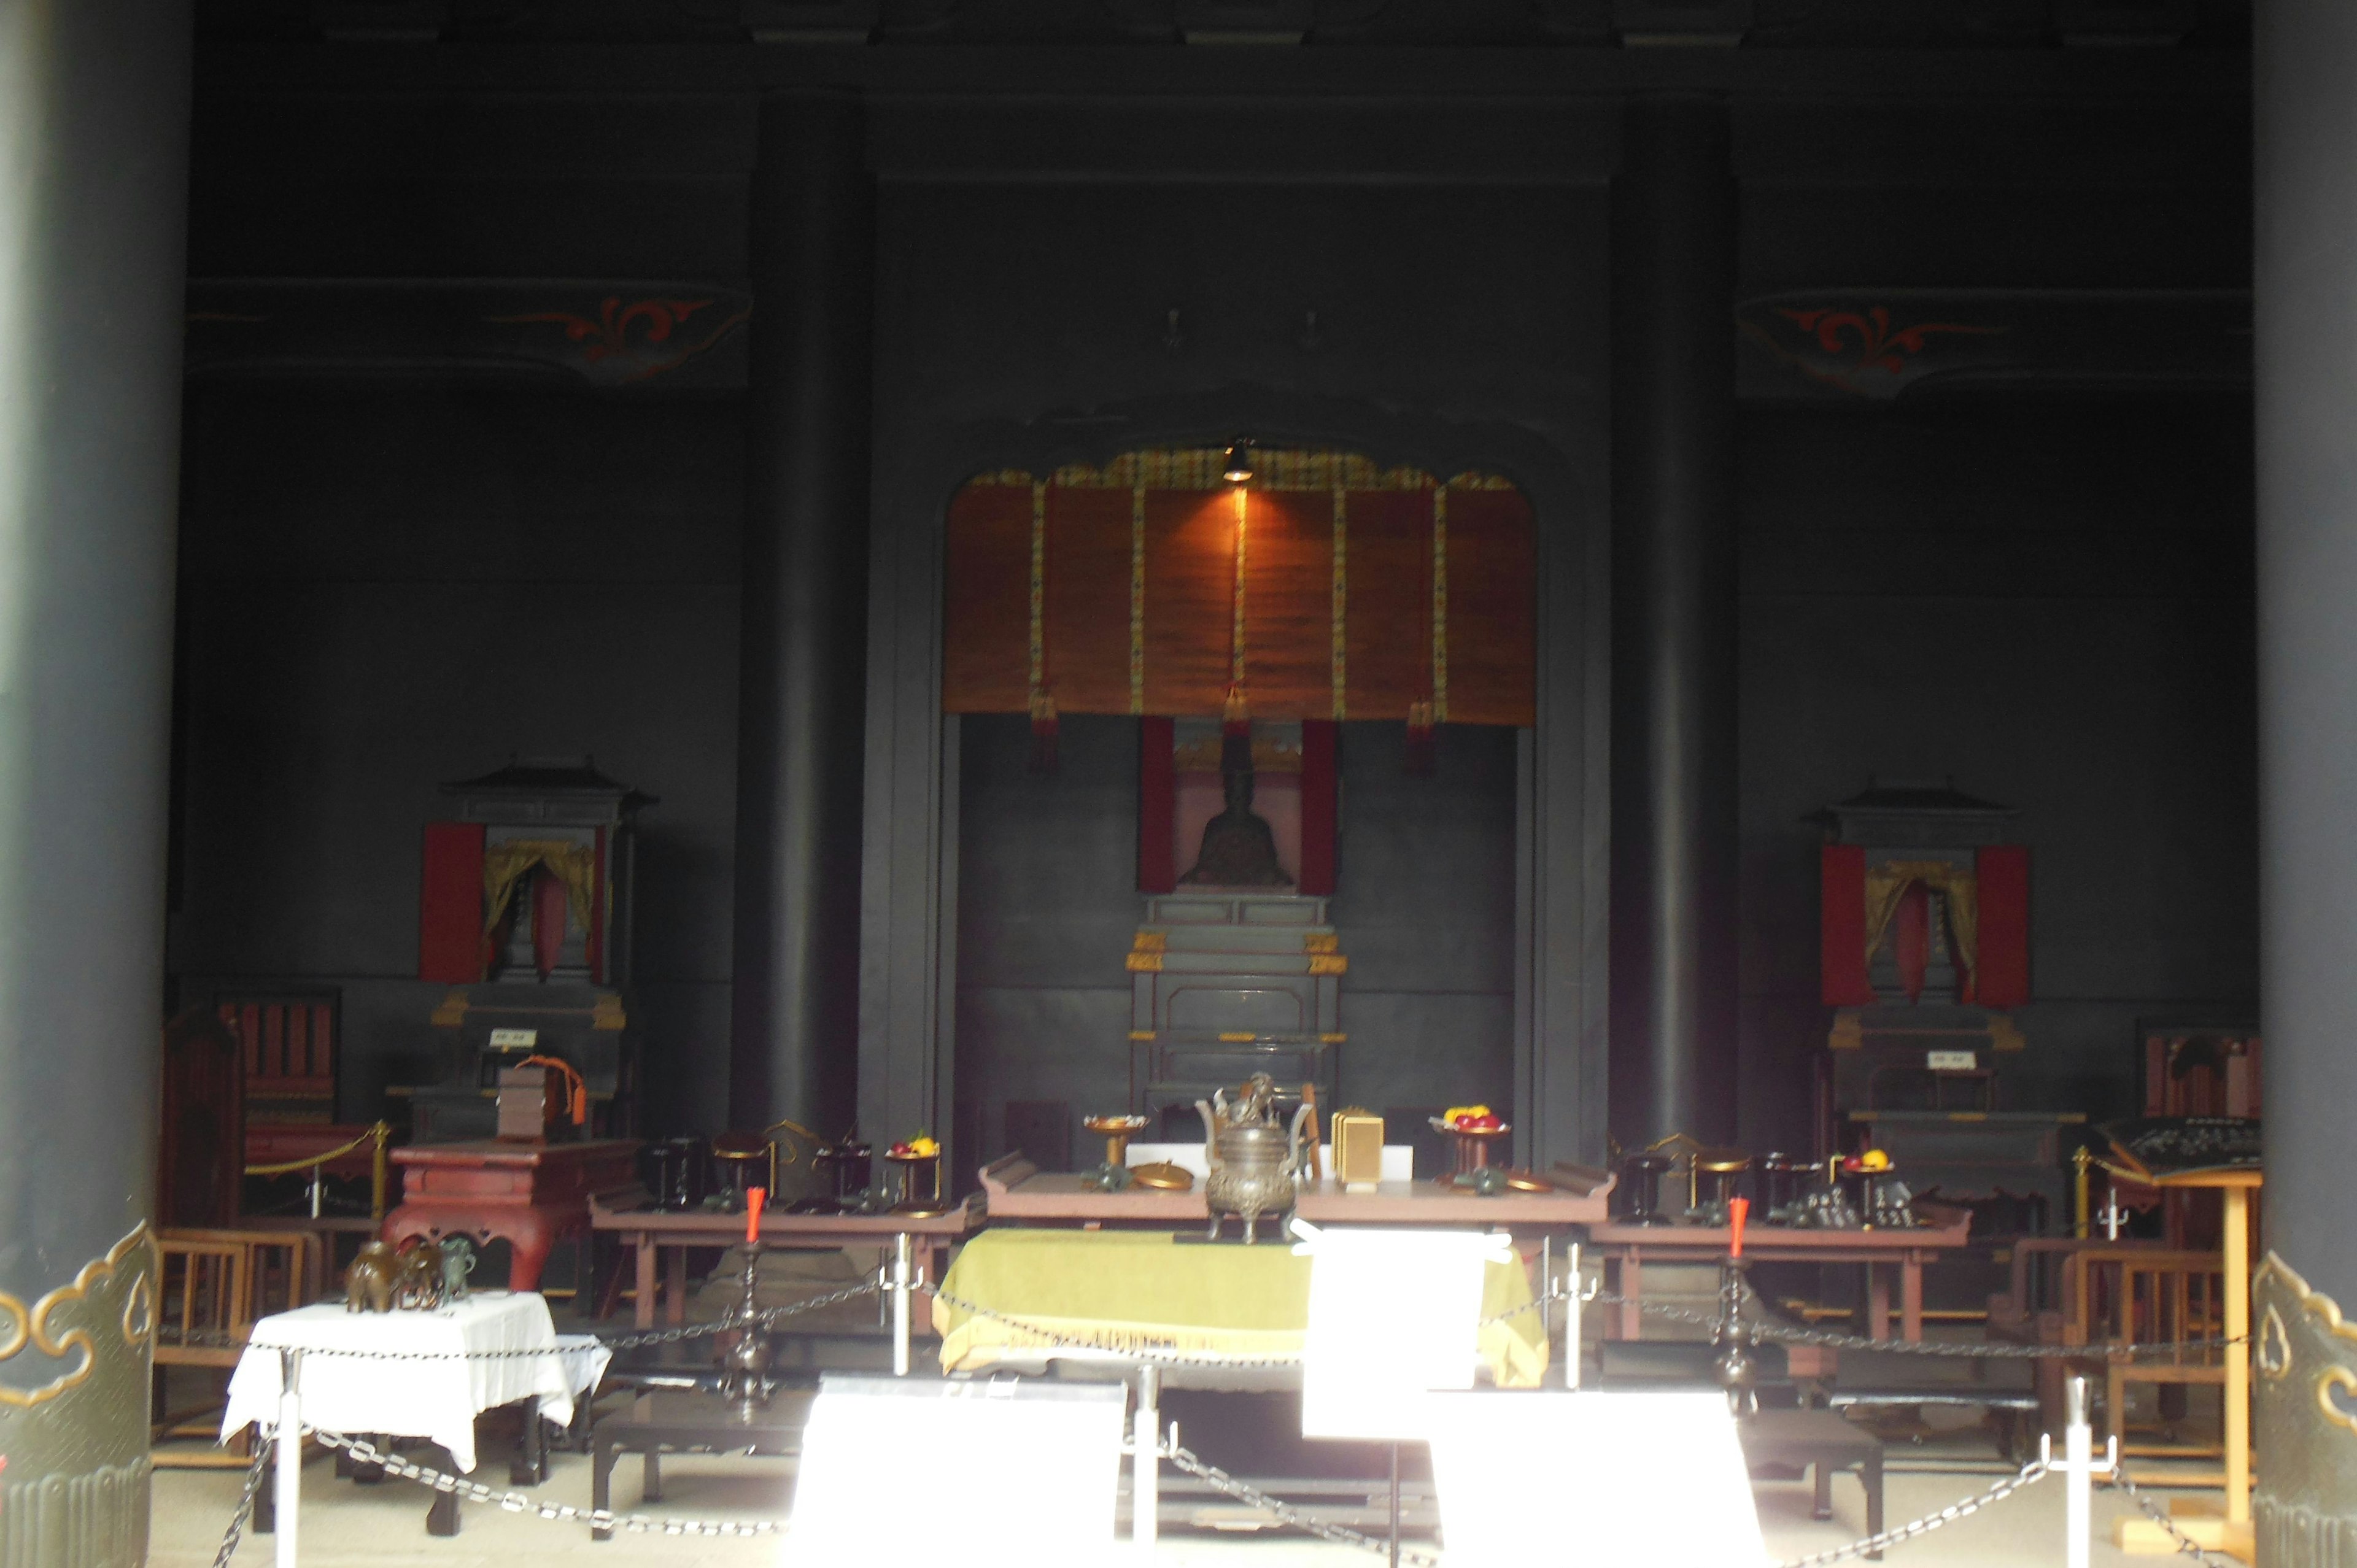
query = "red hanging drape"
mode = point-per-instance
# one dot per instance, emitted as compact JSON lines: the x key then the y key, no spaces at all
{"x":451,"y":905}
{"x":2003,"y":872}
{"x":1841,"y":927}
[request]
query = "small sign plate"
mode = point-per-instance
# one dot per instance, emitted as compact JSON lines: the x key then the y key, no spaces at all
{"x":525,"y":1039}
{"x":1938,"y":1062}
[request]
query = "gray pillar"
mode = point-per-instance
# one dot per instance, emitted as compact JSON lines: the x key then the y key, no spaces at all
{"x":801,"y":733}
{"x":1673,"y":543}
{"x":93,"y":179}
{"x":2305,"y":104}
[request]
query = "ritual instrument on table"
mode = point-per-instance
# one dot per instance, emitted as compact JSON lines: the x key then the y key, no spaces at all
{"x":744,"y":1343}
{"x":1778,"y":1181}
{"x":1884,"y":1201}
{"x":1472,"y":1129}
{"x":1358,"y":1149}
{"x":1715,"y":1177}
{"x":847,"y":1168}
{"x":1253,"y":1158}
{"x":740,"y":1162}
{"x":918,"y":1162}
{"x":1737,"y":1368}
{"x":1113,"y":1175}
{"x":459,"y":1260}
{"x":1163,"y":1176}
{"x":1642,"y":1180}
{"x":679,"y":1172}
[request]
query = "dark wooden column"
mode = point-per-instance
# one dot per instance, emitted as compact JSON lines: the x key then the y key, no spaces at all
{"x":93,"y":179}
{"x":800,"y":732}
{"x":1674,"y":544}
{"x":2305,"y":107}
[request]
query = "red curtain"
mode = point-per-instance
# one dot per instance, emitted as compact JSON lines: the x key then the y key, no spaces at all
{"x":450,"y":923}
{"x":1841,"y":925}
{"x":2003,"y":871}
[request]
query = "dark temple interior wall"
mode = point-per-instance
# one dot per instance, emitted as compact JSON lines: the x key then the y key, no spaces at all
{"x":2041,"y":591}
{"x":2046,"y":596}
{"x":385,"y":588}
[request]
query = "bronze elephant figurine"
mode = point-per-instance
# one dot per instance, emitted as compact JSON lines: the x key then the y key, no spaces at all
{"x":370,"y":1283}
{"x":417,"y":1276}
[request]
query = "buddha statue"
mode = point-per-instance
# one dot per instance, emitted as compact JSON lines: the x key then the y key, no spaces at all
{"x":1239,"y":849}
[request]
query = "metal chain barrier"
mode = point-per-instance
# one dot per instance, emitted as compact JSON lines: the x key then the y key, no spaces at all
{"x":367,"y":1452}
{"x":2186,"y":1545}
{"x":620,"y":1342}
{"x":262,"y":1447}
{"x":1285,"y":1513}
{"x":1788,"y":1334}
{"x":2030,"y":1473}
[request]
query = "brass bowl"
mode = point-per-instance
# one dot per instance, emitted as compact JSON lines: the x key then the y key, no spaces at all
{"x":1528,"y":1181}
{"x":1163,"y":1176}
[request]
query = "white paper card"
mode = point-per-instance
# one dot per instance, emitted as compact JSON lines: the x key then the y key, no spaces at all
{"x":1391,"y":1315}
{"x":1012,"y":1473}
{"x":1656,"y":1479}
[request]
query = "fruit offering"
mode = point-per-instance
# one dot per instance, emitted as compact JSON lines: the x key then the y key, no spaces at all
{"x":1470,"y":1119}
{"x":921,"y":1147}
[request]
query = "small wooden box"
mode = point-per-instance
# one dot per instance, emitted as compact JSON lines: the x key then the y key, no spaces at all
{"x":532,"y":1103}
{"x":1358,"y":1148}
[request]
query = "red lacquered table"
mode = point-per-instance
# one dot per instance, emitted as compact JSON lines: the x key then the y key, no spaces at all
{"x":533,"y":1195}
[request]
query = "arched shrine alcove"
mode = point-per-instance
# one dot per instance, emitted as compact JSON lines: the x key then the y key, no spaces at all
{"x":1144,"y":655}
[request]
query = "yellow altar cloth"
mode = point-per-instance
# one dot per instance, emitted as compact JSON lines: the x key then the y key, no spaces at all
{"x":1138,"y":1289}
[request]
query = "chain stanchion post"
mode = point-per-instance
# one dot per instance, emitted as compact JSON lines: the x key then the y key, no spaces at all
{"x":1571,"y":1326}
{"x":2078,"y":1460}
{"x":289,"y":1441}
{"x":900,"y":1304}
{"x":2080,"y":1471}
{"x":1145,"y":1461}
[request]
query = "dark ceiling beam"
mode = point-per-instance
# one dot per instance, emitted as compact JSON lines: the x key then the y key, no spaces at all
{"x":1119,"y":73}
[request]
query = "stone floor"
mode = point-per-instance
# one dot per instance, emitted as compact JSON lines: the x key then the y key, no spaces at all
{"x":345,"y":1526}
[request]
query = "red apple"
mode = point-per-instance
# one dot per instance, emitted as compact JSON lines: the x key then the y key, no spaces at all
{"x":1483,"y":1123}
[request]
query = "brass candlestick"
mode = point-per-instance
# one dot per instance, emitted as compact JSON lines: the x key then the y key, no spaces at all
{"x":1113,"y":1175}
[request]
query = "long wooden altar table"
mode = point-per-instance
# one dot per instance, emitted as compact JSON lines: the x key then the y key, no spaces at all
{"x":1124,"y":1292}
{"x":1017,"y":1190}
{"x":647,"y":1233}
{"x":1626,"y":1249}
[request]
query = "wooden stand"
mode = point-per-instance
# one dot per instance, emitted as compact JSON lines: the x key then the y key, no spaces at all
{"x":2232,"y":1534}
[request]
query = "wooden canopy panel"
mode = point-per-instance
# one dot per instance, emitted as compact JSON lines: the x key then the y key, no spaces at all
{"x":1358,"y":591}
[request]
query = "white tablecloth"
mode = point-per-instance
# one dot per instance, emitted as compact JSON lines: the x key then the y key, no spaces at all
{"x":436,"y":1399}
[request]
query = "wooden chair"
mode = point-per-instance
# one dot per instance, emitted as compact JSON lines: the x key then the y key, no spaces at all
{"x":2145,"y":1296}
{"x":215,"y":1286}
{"x":2045,"y":1304}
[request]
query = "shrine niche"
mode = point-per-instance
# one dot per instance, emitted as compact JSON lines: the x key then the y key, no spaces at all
{"x":525,"y":915}
{"x":1924,"y":947}
{"x":1241,"y":604}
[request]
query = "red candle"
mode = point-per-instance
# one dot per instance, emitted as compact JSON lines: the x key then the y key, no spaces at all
{"x":754,"y":1197}
{"x":1737,"y":1210}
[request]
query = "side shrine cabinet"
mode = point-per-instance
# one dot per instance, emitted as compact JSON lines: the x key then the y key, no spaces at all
{"x":526,"y":916}
{"x":1225,"y":984}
